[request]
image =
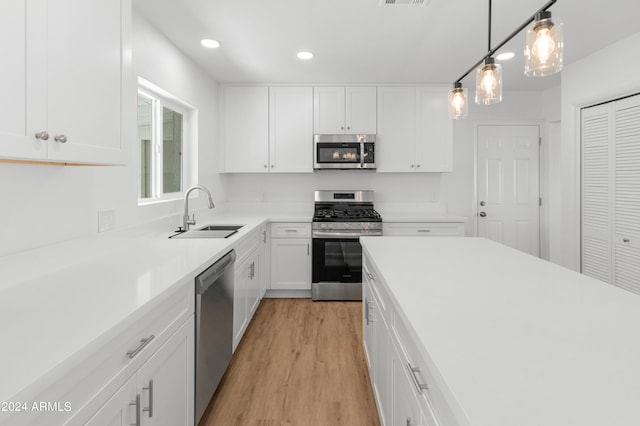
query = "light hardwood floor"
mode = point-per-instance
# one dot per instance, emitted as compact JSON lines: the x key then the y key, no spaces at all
{"x":300,"y":363}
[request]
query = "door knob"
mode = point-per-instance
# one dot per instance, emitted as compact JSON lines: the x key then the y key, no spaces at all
{"x":483,"y":214}
{"x":482,"y":203}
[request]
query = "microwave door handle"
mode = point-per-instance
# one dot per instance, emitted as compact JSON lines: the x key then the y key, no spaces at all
{"x":362,"y":155}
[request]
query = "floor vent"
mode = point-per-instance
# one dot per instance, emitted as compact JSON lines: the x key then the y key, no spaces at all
{"x":403,"y":2}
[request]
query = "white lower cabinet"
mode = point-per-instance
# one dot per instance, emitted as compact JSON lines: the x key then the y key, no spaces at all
{"x":291,"y":256}
{"x":161,"y":391}
{"x":404,"y":388}
{"x":246,"y":291}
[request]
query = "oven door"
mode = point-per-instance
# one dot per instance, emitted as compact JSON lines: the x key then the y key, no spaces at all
{"x":337,"y":259}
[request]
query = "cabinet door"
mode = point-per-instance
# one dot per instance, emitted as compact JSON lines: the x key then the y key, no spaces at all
{"x":396,"y":129}
{"x":328,"y":110}
{"x":120,"y":409}
{"x":291,"y":263}
{"x":434,"y":131}
{"x":166,"y":381}
{"x":291,"y":129}
{"x":382,"y":367}
{"x":85,"y":70}
{"x":406,"y":405}
{"x":246,"y":129}
{"x":241,"y":280}
{"x":22,"y":102}
{"x":254,"y":293}
{"x":360,"y":110}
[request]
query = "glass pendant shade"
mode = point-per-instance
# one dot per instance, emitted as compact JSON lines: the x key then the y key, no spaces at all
{"x":489,"y":83}
{"x":458,"y":102}
{"x":543,"y":52}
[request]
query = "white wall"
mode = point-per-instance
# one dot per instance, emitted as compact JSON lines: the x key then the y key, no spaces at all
{"x":604,"y":75}
{"x":42,"y":205}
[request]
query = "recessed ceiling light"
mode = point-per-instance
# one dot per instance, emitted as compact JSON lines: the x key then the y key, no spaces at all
{"x":305,"y":55}
{"x":505,"y":56}
{"x":211,"y":44}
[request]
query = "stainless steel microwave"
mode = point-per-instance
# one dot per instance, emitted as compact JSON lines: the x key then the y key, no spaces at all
{"x":344,"y":152}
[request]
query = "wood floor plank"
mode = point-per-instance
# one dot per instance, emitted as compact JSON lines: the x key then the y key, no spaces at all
{"x":299,"y":363}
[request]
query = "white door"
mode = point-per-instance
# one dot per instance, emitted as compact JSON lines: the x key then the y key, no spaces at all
{"x":508,"y":185}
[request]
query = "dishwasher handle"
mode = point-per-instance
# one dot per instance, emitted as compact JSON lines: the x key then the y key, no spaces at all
{"x":213,"y":272}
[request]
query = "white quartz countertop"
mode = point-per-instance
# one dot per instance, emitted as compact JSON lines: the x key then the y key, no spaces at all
{"x":516,"y":340}
{"x":59,"y":300}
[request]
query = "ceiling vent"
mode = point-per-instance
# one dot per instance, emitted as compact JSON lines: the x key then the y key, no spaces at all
{"x":403,"y":2}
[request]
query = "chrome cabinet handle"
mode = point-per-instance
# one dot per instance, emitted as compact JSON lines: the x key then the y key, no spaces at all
{"x":290,"y":230}
{"x":136,"y":404}
{"x":414,"y":374}
{"x":143,"y":343}
{"x":424,"y":230}
{"x":60,"y":138}
{"x":264,"y":236}
{"x":625,"y":240}
{"x":418,"y":165}
{"x":308,"y":250}
{"x":149,"y":409}
{"x":42,"y":135}
{"x":366,"y":310}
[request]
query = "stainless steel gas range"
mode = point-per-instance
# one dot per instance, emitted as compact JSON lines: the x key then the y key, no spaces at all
{"x":340,"y":219}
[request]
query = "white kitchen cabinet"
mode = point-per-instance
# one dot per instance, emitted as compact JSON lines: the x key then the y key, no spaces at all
{"x":158,"y":349}
{"x":348,"y":110}
{"x":246,"y":294}
{"x":63,"y":56}
{"x":291,"y":129}
{"x":245,"y":129}
{"x":267,"y":129}
{"x":413,"y":134}
{"x":290,"y":256}
{"x":423,"y":229}
{"x":120,"y":409}
{"x":397,"y":369}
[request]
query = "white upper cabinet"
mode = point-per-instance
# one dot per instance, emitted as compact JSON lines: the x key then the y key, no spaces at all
{"x":245,"y":128}
{"x":69,"y":66}
{"x":434,"y":131}
{"x":267,"y":129}
{"x":291,"y":129}
{"x":349,"y":110}
{"x":415,"y":133}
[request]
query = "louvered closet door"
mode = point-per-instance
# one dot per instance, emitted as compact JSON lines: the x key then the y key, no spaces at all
{"x":596,"y":192}
{"x":627,"y":194}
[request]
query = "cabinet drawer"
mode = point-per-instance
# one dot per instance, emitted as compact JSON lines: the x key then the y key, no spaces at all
{"x":109,"y":366}
{"x":291,"y":230}
{"x":422,"y":374}
{"x":247,"y":244}
{"x":424,"y":229}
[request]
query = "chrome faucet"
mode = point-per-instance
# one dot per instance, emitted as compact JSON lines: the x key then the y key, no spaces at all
{"x":186,"y":221}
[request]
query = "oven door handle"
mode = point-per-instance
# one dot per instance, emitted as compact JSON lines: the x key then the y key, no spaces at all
{"x":330,"y":234}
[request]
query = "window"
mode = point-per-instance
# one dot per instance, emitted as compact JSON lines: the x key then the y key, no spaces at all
{"x":162,"y":142}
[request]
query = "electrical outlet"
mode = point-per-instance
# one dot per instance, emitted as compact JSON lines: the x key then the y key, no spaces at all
{"x":106,"y":220}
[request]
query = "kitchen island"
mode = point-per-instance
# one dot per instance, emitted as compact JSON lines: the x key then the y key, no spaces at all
{"x":499,"y":337}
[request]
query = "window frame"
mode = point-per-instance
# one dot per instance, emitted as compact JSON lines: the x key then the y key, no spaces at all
{"x":160,"y":98}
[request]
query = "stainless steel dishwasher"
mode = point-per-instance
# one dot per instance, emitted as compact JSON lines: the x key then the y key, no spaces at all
{"x":214,"y":328}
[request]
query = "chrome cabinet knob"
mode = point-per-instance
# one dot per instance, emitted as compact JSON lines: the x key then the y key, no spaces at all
{"x":60,"y":138}
{"x":483,"y":214}
{"x":42,"y":135}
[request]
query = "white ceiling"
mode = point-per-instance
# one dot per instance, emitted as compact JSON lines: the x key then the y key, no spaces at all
{"x":360,"y":41}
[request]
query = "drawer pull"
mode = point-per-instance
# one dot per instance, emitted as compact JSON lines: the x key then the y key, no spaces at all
{"x":424,"y":230}
{"x":150,"y":389}
{"x":143,"y":343}
{"x":625,"y":240}
{"x":367,"y":310}
{"x":414,"y":374}
{"x":136,"y":404}
{"x":290,"y":230}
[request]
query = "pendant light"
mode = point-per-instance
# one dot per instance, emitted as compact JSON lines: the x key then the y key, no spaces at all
{"x":543,"y":52}
{"x":543,"y":57}
{"x":458,"y":101}
{"x":489,"y":76}
{"x":489,"y":83}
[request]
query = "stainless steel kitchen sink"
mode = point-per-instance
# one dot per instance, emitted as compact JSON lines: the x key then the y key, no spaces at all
{"x":209,"y":231}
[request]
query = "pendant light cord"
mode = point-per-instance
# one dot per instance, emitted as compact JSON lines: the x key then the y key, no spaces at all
{"x":489,"y":32}
{"x":506,"y":40}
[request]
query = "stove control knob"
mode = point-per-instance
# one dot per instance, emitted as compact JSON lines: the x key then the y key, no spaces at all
{"x":324,"y":225}
{"x":347,"y":225}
